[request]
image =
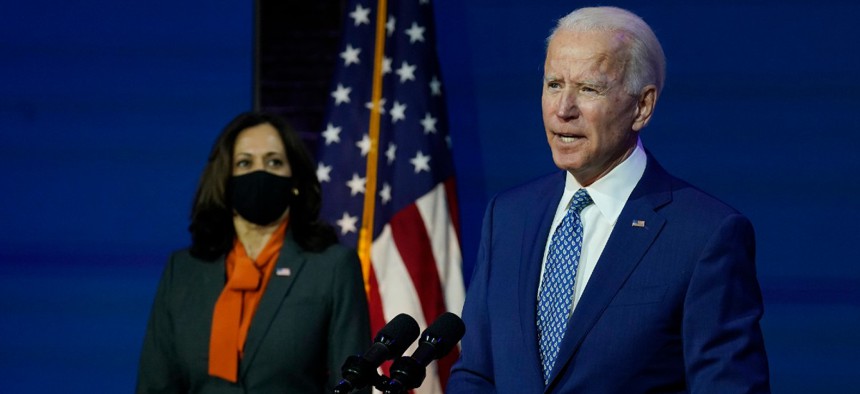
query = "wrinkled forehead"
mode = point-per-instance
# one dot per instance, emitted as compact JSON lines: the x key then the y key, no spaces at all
{"x":603,"y":52}
{"x":611,"y":39}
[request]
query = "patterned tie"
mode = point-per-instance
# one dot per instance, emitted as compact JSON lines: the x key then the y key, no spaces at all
{"x":556,"y":290}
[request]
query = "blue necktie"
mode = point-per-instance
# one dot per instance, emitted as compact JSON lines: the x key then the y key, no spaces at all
{"x":556,"y":290}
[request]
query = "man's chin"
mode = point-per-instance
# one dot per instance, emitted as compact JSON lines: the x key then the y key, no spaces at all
{"x":567,"y":162}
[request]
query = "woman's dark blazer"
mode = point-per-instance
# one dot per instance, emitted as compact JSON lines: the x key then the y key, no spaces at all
{"x":312,"y":316}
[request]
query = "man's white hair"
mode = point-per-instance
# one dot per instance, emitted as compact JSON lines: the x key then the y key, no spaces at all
{"x":646,"y":64}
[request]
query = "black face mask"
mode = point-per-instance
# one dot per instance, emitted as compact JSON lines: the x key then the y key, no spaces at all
{"x":261,"y":197}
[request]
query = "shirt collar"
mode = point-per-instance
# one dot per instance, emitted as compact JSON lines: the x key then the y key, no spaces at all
{"x":611,"y":192}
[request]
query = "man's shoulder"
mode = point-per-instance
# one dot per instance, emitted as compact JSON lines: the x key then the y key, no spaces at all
{"x":695,"y":201}
{"x":684,"y":195}
{"x":542,"y":188}
{"x":689,"y":199}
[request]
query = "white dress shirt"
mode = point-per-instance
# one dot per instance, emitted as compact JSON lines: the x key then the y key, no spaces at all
{"x":609,"y":193}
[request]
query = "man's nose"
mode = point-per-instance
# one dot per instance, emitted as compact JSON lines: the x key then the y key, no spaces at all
{"x":567,"y":105}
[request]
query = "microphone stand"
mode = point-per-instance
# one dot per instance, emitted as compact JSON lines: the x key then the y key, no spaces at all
{"x":380,"y":383}
{"x":407,"y":373}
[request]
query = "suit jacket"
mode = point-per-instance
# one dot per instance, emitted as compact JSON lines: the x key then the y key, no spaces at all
{"x":672,"y":306}
{"x":306,"y":325}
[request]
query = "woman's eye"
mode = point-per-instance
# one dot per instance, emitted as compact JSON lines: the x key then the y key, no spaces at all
{"x":243,"y":163}
{"x":275,"y":163}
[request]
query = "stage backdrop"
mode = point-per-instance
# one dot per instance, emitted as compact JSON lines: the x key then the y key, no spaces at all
{"x":108,"y":109}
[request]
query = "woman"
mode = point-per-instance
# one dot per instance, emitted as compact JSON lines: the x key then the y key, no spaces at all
{"x":264,"y":300}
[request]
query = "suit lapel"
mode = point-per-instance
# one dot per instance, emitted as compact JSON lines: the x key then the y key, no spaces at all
{"x":626,"y":246}
{"x":535,"y":231}
{"x":213,"y":281}
{"x":290,"y":262}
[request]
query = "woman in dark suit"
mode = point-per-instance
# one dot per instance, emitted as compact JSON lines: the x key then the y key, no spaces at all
{"x":264,"y":300}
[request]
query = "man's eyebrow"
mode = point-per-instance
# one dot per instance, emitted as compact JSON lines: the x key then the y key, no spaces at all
{"x":598,"y":80}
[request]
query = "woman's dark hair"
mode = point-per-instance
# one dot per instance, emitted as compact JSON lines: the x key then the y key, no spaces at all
{"x":211,"y":226}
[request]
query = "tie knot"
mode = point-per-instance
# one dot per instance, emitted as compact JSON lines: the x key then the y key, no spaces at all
{"x":245,"y":276}
{"x":580,"y":200}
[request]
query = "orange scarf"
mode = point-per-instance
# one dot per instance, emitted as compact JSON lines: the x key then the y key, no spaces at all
{"x":246,"y":282}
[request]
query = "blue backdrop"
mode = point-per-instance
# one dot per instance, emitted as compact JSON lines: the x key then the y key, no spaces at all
{"x":108,"y":109}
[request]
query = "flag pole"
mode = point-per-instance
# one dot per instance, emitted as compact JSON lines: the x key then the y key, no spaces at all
{"x":365,"y":235}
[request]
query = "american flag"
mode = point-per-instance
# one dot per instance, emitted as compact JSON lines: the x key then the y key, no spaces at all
{"x":386,"y":169}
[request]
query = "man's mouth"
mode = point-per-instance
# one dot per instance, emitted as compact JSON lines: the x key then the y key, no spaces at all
{"x":568,"y":138}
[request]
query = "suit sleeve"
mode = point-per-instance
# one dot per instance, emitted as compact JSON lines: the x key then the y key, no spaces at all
{"x":473,"y":371}
{"x":723,"y":345}
{"x":349,"y":329}
{"x":158,"y":371}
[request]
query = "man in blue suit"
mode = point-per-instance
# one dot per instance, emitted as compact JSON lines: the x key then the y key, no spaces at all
{"x":611,"y":276}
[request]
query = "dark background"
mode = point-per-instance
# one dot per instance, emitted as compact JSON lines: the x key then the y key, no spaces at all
{"x":108,"y":110}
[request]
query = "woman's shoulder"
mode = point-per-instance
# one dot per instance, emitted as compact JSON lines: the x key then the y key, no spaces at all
{"x":183,"y":260}
{"x":335,"y":252}
{"x":184,"y":255}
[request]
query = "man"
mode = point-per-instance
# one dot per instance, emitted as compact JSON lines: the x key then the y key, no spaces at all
{"x":618,"y":277}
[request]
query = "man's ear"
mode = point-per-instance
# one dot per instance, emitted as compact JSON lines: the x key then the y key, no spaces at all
{"x":645,"y":107}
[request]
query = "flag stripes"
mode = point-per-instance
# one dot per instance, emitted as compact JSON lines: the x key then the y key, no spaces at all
{"x":386,"y":168}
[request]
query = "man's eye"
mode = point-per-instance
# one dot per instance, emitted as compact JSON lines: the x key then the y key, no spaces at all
{"x":588,"y":89}
{"x":553,"y":85}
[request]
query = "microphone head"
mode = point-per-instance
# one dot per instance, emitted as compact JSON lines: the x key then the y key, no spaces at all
{"x":398,"y":334}
{"x":444,"y":333}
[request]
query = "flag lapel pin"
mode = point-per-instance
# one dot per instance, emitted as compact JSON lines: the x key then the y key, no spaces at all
{"x":638,"y":223}
{"x":283,"y":272}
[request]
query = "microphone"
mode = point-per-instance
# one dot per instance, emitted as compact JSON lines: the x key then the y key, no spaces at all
{"x":391,"y":341}
{"x":436,"y":341}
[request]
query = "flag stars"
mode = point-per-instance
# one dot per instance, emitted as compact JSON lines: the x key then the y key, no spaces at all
{"x":398,"y":112}
{"x":350,"y":55}
{"x":364,"y":145}
{"x":389,"y":25}
{"x":341,"y":94}
{"x":331,"y":134}
{"x":391,"y":152}
{"x":386,"y":65}
{"x":360,"y":16}
{"x":435,"y":86}
{"x":356,"y":184}
{"x":415,"y":33}
{"x":421,"y":162}
{"x":323,"y":173}
{"x":385,"y":193}
{"x":347,"y":223}
{"x":406,"y":72}
{"x":429,"y":124}
{"x":369,"y":105}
